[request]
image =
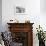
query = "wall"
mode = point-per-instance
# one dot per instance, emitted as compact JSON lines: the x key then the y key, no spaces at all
{"x":33,"y":13}
{"x":0,"y":15}
{"x":43,"y":6}
{"x":32,"y":9}
{"x":43,"y":14}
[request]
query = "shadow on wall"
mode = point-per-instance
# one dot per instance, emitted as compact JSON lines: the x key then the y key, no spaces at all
{"x":0,"y":15}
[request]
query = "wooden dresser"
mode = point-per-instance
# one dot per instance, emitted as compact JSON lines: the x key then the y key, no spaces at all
{"x":22,"y":33}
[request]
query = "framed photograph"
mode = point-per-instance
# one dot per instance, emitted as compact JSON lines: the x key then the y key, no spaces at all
{"x":20,"y":10}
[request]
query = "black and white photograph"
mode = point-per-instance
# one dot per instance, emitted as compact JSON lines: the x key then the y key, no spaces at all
{"x":20,"y":10}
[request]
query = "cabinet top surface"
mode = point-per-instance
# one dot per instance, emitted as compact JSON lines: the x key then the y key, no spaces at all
{"x":19,"y":23}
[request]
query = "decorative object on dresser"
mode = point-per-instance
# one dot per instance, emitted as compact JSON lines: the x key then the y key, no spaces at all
{"x":22,"y":33}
